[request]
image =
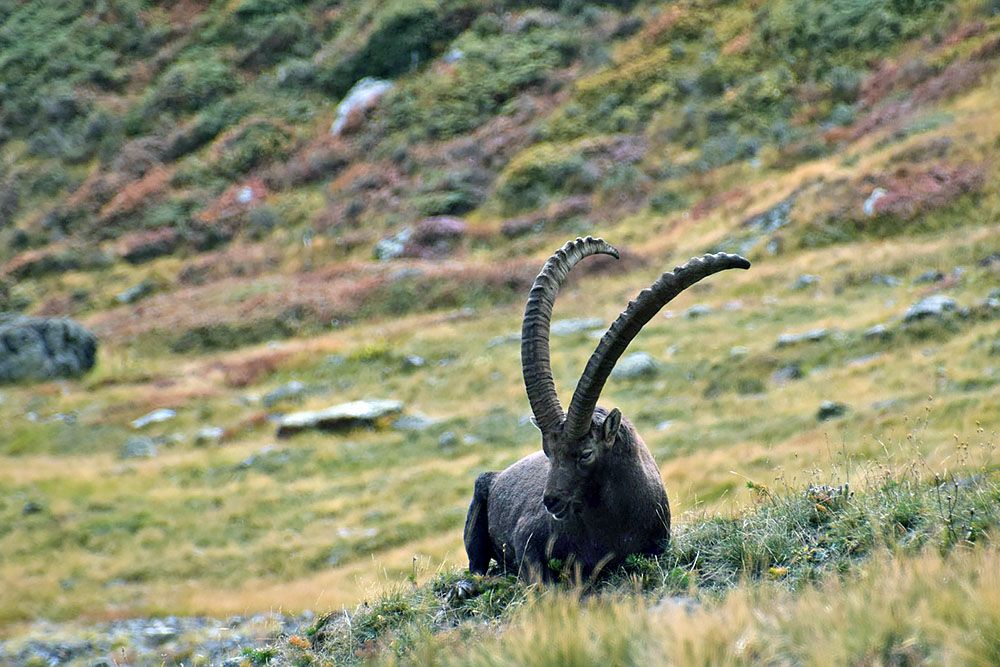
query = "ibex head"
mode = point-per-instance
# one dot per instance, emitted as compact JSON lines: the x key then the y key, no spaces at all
{"x":584,"y":444}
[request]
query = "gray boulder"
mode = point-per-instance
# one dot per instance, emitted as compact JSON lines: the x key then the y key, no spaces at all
{"x":139,"y":447}
{"x":831,"y":410}
{"x":34,"y":348}
{"x":812,"y":336}
{"x":635,"y":365}
{"x":575,"y":326}
{"x":936,"y":305}
{"x":358,"y":414}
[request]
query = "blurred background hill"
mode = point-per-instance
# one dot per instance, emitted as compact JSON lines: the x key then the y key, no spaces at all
{"x":260,"y":207}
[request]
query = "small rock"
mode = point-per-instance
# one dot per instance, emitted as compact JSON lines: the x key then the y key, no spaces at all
{"x":414,"y":422}
{"x":877,"y":332}
{"x":664,"y":425}
{"x":991,"y":261}
{"x":136,"y":292}
{"x":831,"y":410}
{"x":811,"y":336}
{"x":885,"y":280}
{"x":293,"y":390}
{"x":209,"y":435}
{"x":936,"y":305}
{"x":574,"y":326}
{"x":155,"y":417}
{"x":864,"y":359}
{"x":738,"y":351}
{"x":159,"y":633}
{"x":787,"y":373}
{"x":393,"y":247}
{"x":506,"y":339}
{"x":412,"y":361}
{"x":733,"y":305}
{"x":363,"y":96}
{"x":697,"y":310}
{"x":635,"y":365}
{"x":869,"y":206}
{"x":469,"y":439}
{"x":32,"y":507}
{"x":931,"y":276}
{"x":138,"y":447}
{"x":804,"y":281}
{"x":447,"y":440}
{"x":358,"y":414}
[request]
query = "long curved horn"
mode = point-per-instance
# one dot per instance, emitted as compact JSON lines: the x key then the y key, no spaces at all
{"x":627,"y":326}
{"x":535,"y":361}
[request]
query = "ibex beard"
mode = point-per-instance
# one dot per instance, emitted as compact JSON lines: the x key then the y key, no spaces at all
{"x":593,"y":496}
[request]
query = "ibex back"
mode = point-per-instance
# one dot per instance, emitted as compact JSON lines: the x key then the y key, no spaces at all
{"x":593,"y":495}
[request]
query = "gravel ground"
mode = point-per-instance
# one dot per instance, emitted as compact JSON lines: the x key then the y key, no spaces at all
{"x":149,"y":641}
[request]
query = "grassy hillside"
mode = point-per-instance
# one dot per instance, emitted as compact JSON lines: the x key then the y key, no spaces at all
{"x":169,"y":177}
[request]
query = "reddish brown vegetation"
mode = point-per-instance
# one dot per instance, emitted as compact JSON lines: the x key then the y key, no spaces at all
{"x":554,"y":213}
{"x":250,"y":370}
{"x":910,"y":191}
{"x":225,"y":212}
{"x":138,"y":247}
{"x":136,"y":194}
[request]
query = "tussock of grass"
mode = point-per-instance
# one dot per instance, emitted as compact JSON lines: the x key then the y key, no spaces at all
{"x":786,"y":548}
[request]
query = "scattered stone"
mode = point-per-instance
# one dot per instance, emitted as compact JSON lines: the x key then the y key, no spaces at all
{"x":877,"y":332}
{"x":864,"y":359}
{"x":811,"y":336}
{"x":469,"y":439}
{"x":733,"y":305}
{"x":574,"y":326}
{"x":931,"y":276}
{"x":365,"y":94}
{"x":357,"y":414}
{"x":159,"y":633}
{"x":393,"y":247}
{"x":991,"y":261}
{"x":290,"y":391}
{"x":831,"y":410}
{"x":506,"y":339}
{"x":432,"y":238}
{"x":885,"y":280}
{"x":936,"y":305}
{"x":869,"y":206}
{"x":157,"y":416}
{"x":412,"y":361}
{"x":804,"y":281}
{"x":697,"y":310}
{"x":447,"y":440}
{"x":138,"y":447}
{"x":33,"y":348}
{"x":136,"y":292}
{"x":787,"y":373}
{"x":738,"y":351}
{"x":32,"y":507}
{"x":414,"y":422}
{"x":209,"y":435}
{"x":664,"y":425}
{"x":635,"y":365}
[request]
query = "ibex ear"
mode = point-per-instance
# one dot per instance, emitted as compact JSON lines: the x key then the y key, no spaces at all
{"x":611,"y":425}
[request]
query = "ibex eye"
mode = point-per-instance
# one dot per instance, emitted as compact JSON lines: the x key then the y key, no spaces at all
{"x":586,"y":456}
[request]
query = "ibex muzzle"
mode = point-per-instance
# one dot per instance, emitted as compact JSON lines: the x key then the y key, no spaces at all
{"x":593,"y":495}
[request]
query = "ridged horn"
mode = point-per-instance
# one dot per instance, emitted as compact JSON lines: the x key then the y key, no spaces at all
{"x":535,"y":360}
{"x":627,"y":326}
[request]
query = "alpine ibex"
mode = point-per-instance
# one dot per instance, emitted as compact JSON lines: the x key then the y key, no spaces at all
{"x":593,"y":495}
